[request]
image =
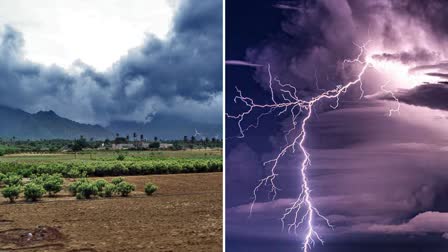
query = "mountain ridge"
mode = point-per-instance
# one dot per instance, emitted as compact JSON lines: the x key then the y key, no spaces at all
{"x":48,"y":124}
{"x":45,"y":125}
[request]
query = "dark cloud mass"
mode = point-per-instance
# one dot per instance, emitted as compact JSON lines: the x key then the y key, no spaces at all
{"x":418,"y":55}
{"x":161,"y":76}
{"x":429,"y":95}
{"x":376,"y":175}
{"x":441,"y":75}
{"x":317,"y":36}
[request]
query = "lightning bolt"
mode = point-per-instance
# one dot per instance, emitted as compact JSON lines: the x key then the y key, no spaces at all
{"x":302,"y":212}
{"x":397,"y":109}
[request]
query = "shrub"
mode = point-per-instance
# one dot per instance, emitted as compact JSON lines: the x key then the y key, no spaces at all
{"x":73,"y":187}
{"x":117,"y":181}
{"x":12,"y":180}
{"x":121,"y":157}
{"x":11,"y":192}
{"x":52,"y":183}
{"x":86,"y":190}
{"x":109,"y":190}
{"x":33,"y":191}
{"x":100,"y":184}
{"x":150,"y":188}
{"x":76,"y":169}
{"x":73,"y":173}
{"x":125,"y":188}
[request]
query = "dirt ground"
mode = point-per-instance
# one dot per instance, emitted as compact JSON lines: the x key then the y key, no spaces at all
{"x":185,"y":214}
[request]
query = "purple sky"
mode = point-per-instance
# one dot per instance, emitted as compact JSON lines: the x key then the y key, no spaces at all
{"x":373,"y":175}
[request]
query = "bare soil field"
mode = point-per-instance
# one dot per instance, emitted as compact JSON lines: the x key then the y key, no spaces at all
{"x":185,"y":214}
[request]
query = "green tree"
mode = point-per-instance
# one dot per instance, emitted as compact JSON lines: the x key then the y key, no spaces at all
{"x":33,"y":191}
{"x":53,"y":184}
{"x":11,"y":193}
{"x":79,"y":144}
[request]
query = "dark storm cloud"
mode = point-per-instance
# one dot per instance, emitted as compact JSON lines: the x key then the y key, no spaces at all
{"x":317,"y":36}
{"x":431,"y":13}
{"x":367,"y":168}
{"x":390,"y":181}
{"x":428,"y":95}
{"x":160,"y":76}
{"x":441,"y":75}
{"x":419,"y":55}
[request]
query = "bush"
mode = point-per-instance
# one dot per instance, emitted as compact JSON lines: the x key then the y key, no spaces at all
{"x":86,"y":190}
{"x":73,"y":173}
{"x":33,"y":191}
{"x":76,"y":169}
{"x":150,"y":188}
{"x":73,"y":187}
{"x":52,"y":183}
{"x":125,"y":188}
{"x":117,"y":181}
{"x":100,"y":184}
{"x":109,"y":190}
{"x":12,"y":180}
{"x":11,"y":192}
{"x":121,"y":157}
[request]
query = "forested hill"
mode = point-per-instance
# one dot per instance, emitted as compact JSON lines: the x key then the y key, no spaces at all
{"x":45,"y":125}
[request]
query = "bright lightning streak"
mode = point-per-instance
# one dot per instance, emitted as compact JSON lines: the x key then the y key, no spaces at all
{"x":302,"y":211}
{"x":397,"y":109}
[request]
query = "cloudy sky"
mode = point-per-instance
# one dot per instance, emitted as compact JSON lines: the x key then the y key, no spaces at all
{"x":381,"y":180}
{"x":99,"y":61}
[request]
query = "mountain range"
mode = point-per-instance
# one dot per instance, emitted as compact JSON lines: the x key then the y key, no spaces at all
{"x":48,"y":125}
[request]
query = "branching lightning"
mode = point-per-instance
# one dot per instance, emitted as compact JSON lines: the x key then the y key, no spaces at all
{"x":302,"y":212}
{"x":397,"y":109}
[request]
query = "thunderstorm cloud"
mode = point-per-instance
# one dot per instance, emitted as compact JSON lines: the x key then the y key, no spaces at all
{"x":371,"y":174}
{"x":161,"y":76}
{"x":429,"y":95}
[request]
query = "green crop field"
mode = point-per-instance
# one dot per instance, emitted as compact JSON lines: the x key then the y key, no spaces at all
{"x":113,"y":163}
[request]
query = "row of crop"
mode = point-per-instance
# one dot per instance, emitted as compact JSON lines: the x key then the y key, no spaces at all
{"x":33,"y":189}
{"x":112,"y":168}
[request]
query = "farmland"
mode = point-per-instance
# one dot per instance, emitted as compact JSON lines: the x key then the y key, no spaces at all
{"x":113,"y":163}
{"x":184,"y":214}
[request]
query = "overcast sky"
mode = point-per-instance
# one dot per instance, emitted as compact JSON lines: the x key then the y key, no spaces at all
{"x":99,"y":61}
{"x":60,"y":32}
